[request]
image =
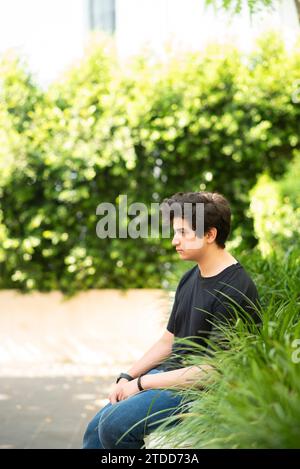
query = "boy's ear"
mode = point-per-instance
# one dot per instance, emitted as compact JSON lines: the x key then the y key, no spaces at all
{"x":211,"y":234}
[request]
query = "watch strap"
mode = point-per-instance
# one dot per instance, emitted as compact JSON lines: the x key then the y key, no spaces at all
{"x":139,"y":383}
{"x":124,"y":375}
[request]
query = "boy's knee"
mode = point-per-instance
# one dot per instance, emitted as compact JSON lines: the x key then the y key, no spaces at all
{"x":89,"y":435}
{"x":111,"y":428}
{"x":108,"y":432}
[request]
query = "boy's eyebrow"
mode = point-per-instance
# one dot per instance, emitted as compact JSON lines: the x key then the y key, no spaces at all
{"x":179,"y":229}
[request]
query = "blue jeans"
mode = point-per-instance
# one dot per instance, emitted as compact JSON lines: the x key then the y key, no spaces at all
{"x":114,"y":420}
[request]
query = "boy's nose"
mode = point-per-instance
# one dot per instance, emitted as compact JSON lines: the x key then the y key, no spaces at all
{"x":175,"y":241}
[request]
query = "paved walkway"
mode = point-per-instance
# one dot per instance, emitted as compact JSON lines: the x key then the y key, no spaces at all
{"x":49,"y":412}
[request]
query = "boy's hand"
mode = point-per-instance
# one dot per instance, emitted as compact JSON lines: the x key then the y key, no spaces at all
{"x":128,"y":389}
{"x":122,"y":390}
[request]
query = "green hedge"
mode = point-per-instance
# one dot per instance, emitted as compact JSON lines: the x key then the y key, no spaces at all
{"x":275,"y":206}
{"x":214,"y":120}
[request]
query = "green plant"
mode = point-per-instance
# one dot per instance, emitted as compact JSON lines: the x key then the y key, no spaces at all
{"x":254,"y":399}
{"x":275,"y":207}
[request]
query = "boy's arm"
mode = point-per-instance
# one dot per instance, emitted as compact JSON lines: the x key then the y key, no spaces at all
{"x":181,"y":378}
{"x":154,"y":356}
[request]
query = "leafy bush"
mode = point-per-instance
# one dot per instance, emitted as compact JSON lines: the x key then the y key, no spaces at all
{"x":275,"y":206}
{"x":212,"y":120}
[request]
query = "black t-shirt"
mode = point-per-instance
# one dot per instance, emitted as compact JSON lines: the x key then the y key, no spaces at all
{"x":201,"y":303}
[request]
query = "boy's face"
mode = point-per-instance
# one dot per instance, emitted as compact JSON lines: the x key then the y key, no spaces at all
{"x":186,"y":242}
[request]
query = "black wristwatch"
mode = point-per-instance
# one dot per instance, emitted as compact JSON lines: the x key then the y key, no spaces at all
{"x":124,"y":375}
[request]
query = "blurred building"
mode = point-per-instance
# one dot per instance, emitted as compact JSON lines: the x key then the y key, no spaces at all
{"x":53,"y":33}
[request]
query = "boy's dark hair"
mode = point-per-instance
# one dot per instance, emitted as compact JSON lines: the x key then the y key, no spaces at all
{"x":217,"y":211}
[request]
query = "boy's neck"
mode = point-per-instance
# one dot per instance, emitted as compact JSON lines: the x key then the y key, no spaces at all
{"x":214,"y":261}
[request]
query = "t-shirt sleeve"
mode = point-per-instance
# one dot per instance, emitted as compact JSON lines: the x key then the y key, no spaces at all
{"x":234,"y":306}
{"x":228,"y":308}
{"x":171,"y":322}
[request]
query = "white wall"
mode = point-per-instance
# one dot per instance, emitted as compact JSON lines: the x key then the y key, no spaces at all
{"x":190,"y":25}
{"x":50,"y":33}
{"x":97,"y":332}
{"x":53,"y":33}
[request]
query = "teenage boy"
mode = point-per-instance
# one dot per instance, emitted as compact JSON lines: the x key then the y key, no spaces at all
{"x":206,"y":296}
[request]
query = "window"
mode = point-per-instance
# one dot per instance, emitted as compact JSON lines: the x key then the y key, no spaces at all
{"x":102,"y":15}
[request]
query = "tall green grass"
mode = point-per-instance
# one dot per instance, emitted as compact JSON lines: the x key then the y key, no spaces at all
{"x":254,"y":399}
